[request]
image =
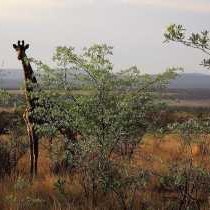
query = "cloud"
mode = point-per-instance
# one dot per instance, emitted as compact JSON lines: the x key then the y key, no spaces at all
{"x":37,"y":10}
{"x":40,"y":3}
{"x":7,"y":7}
{"x":21,"y":9}
{"x":24,"y":4}
{"x":182,"y":5}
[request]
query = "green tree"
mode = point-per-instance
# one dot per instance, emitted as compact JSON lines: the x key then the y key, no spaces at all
{"x":110,"y":110}
{"x":200,"y":41}
{"x":109,"y":107}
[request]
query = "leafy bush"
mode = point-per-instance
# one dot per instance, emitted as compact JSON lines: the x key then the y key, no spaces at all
{"x":109,"y":111}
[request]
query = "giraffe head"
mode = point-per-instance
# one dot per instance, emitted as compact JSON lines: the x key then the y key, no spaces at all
{"x":20,"y":48}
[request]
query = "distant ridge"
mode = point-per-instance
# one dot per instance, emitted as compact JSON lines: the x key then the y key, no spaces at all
{"x":13,"y":79}
{"x":191,"y":81}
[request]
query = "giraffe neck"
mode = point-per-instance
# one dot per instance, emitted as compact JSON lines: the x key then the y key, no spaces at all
{"x":30,"y":80}
{"x":28,"y":71}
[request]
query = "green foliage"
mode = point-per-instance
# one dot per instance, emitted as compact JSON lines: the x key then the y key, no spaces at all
{"x":60,"y":186}
{"x":114,"y":108}
{"x":190,"y":183}
{"x":113,"y":103}
{"x":191,"y":127}
{"x":83,"y":95}
{"x":201,"y":41}
{"x":4,"y":97}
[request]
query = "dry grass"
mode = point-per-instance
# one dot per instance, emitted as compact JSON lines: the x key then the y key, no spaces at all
{"x":153,"y":154}
{"x":205,"y":103}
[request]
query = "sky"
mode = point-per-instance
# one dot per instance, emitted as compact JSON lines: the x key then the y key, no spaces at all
{"x":134,"y":28}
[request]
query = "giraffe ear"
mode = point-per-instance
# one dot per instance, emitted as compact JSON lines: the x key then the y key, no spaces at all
{"x":15,"y":46}
{"x":26,"y":47}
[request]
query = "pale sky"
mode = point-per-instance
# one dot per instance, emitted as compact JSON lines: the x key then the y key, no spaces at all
{"x":134,"y":27}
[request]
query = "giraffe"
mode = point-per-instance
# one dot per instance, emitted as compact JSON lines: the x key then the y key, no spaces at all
{"x":30,"y":83}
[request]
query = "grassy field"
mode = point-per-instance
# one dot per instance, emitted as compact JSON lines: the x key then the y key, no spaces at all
{"x":155,"y":154}
{"x":178,"y":98}
{"x":190,"y":103}
{"x":159,"y":155}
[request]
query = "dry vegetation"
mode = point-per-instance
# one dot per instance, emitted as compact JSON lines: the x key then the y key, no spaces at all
{"x":156,"y":154}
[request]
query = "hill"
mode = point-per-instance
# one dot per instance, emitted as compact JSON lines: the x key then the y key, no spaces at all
{"x":13,"y":78}
{"x":191,"y":81}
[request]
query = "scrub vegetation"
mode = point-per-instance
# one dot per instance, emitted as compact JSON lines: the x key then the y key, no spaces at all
{"x":107,"y":139}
